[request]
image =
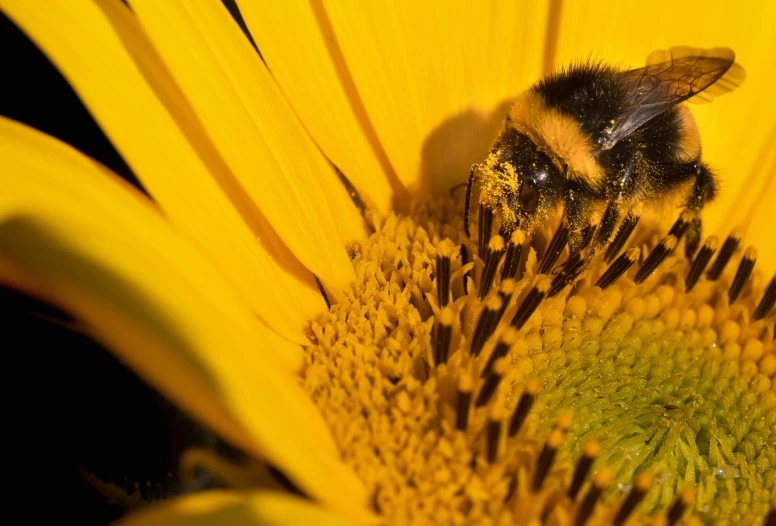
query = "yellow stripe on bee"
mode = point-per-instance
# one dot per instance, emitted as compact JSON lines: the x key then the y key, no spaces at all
{"x":559,"y":134}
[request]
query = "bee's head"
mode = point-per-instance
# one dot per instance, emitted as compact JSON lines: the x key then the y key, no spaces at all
{"x":530,"y":184}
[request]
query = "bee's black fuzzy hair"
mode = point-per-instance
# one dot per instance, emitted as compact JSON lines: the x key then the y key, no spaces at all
{"x":591,"y":92}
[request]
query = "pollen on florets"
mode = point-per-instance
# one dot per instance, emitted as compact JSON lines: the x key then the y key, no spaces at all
{"x":505,"y":396}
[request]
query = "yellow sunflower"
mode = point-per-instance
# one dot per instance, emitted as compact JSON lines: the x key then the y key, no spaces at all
{"x":646,"y":399}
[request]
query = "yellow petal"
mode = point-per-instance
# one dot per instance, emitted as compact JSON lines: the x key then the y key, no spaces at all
{"x":298,"y":45}
{"x":235,"y":509}
{"x":80,"y":238}
{"x":736,"y":128}
{"x":81,"y":41}
{"x":436,"y":77}
{"x":255,"y":130}
{"x":753,"y":209}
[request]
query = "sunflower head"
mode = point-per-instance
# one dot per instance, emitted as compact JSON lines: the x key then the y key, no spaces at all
{"x":370,"y":360}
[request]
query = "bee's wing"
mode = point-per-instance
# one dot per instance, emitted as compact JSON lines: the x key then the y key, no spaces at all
{"x":671,"y":77}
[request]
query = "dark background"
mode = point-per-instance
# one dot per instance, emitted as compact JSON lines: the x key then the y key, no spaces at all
{"x":69,"y":403}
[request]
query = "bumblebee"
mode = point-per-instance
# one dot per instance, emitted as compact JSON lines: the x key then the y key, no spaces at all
{"x":600,"y":141}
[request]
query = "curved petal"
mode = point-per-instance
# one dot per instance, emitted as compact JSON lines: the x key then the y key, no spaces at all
{"x":236,"y":509}
{"x":436,"y":78}
{"x":736,"y":128}
{"x":81,"y":41}
{"x":73,"y":234}
{"x":256,"y":132}
{"x":299,"y":47}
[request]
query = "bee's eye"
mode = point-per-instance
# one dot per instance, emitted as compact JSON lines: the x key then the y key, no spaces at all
{"x":529,"y":196}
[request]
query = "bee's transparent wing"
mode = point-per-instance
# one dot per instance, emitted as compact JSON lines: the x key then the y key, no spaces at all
{"x":671,"y":77}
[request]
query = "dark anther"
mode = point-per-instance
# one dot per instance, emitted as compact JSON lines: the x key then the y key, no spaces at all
{"x":464,"y":260}
{"x":681,"y":224}
{"x":322,"y":290}
{"x":532,"y":387}
{"x":505,"y":342}
{"x":682,"y":502}
{"x":493,"y":254}
{"x":554,"y":441}
{"x":655,"y":258}
{"x":600,"y":481}
{"x":640,"y":488}
{"x":587,"y":236}
{"x":742,"y":274}
{"x":618,"y":268}
{"x":485,"y":325}
{"x":351,"y":190}
{"x":512,"y":487}
{"x":512,"y":259}
{"x":766,"y":304}
{"x":770,"y":520}
{"x":464,"y":401}
{"x":622,"y":235}
{"x":570,"y":272}
{"x":554,"y":249}
{"x":591,"y":451}
{"x":505,"y":291}
{"x":443,"y":274}
{"x":486,"y":227}
{"x":443,"y":335}
{"x":700,"y":262}
{"x":725,"y":253}
{"x":529,"y":304}
{"x":493,"y":435}
{"x":491,"y":383}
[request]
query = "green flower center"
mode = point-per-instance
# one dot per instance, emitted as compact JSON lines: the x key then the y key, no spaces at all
{"x":473,"y":384}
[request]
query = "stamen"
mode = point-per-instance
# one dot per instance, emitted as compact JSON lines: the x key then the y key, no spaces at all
{"x":726,"y":252}
{"x":444,"y":251}
{"x":493,"y":433}
{"x":554,"y":441}
{"x":506,"y":289}
{"x":491,"y":382}
{"x":771,"y":519}
{"x":532,"y":387}
{"x":464,"y":260}
{"x":322,"y":290}
{"x":443,"y":336}
{"x":766,"y":304}
{"x":700,"y":262}
{"x":505,"y":342}
{"x":618,"y":268}
{"x":681,"y":224}
{"x":514,"y":251}
{"x":592,"y":450}
{"x":600,"y":481}
{"x":465,"y":386}
{"x":622,"y":235}
{"x":486,"y":227}
{"x":571,"y":270}
{"x":655,"y":258}
{"x":742,"y":274}
{"x":485,"y":324}
{"x":492,"y":256}
{"x":587,"y":236}
{"x":554,"y":249}
{"x":531,"y":301}
{"x":643,"y":483}
{"x":683,"y":501}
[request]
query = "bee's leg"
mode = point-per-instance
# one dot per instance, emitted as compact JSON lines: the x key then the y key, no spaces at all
{"x":469,"y":184}
{"x":608,"y":224}
{"x":579,"y":260}
{"x":703,"y":192}
{"x":576,"y":218}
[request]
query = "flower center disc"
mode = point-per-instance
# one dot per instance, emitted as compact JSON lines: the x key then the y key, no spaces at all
{"x":469,"y":384}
